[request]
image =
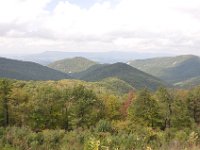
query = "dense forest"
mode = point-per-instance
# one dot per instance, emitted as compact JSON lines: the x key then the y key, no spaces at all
{"x":79,"y":115}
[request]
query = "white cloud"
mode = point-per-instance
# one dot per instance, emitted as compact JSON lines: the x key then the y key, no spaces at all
{"x":134,"y":25}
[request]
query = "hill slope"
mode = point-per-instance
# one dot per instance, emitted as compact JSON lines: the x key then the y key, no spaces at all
{"x":132,"y":76}
{"x":72,"y":65}
{"x":115,"y":84}
{"x":79,"y":75}
{"x":170,"y":69}
{"x":22,"y":70}
{"x":192,"y":82}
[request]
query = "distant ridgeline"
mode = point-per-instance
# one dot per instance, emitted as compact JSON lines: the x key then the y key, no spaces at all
{"x":122,"y":71}
{"x":72,"y":65}
{"x":23,"y":70}
{"x":180,"y":71}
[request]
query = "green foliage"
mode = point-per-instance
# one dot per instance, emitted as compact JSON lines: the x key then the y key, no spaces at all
{"x":180,"y":116}
{"x":165,"y":104}
{"x":144,"y":109}
{"x":86,"y":108}
{"x":24,"y":138}
{"x":173,"y":109}
{"x":116,"y":84}
{"x":112,"y":106}
{"x":47,"y":115}
{"x":104,"y":126}
{"x":194,"y":104}
{"x":91,"y":144}
{"x":71,"y":114}
{"x":5,"y":88}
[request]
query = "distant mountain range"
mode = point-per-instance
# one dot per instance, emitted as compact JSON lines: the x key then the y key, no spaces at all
{"x":126,"y":75}
{"x":23,"y":70}
{"x":72,"y":65}
{"x":48,"y":57}
{"x":181,"y":70}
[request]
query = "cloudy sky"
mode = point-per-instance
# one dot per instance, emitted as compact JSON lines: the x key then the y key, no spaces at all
{"x":157,"y":26}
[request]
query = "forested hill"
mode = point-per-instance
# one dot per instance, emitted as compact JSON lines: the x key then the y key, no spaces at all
{"x":174,"y":70}
{"x":23,"y":70}
{"x":133,"y":76}
{"x":72,"y":65}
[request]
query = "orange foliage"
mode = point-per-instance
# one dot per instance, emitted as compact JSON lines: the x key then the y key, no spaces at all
{"x":126,"y":104}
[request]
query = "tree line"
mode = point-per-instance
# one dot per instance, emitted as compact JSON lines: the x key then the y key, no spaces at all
{"x":137,"y":120}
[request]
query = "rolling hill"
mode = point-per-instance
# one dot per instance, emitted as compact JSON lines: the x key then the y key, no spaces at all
{"x":72,"y":65}
{"x":122,"y":71}
{"x":23,"y":70}
{"x":171,"y":69}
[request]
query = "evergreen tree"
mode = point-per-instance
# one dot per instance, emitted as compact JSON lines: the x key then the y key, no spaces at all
{"x":144,"y":109}
{"x":194,"y":104}
{"x":86,"y":108}
{"x":5,"y":89}
{"x":165,"y":100}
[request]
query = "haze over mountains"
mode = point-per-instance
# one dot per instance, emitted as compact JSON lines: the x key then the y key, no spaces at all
{"x":180,"y":71}
{"x":33,"y":71}
{"x":48,"y":57}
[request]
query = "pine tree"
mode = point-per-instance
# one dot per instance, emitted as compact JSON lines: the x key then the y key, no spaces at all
{"x":194,"y":104}
{"x":5,"y":88}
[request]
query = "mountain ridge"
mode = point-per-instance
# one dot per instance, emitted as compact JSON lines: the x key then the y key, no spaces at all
{"x":72,"y":65}
{"x":170,"y":69}
{"x":26,"y":70}
{"x":132,"y":76}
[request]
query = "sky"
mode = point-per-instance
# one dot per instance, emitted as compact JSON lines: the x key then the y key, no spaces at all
{"x":144,"y":26}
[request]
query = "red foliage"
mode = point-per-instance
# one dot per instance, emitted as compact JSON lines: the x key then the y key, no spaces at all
{"x":126,"y":104}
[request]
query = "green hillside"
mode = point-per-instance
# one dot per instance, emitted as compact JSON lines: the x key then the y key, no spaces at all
{"x":170,"y":69}
{"x":81,"y":74}
{"x":132,"y":76}
{"x":192,"y":82}
{"x":23,"y":70}
{"x":116,"y":85}
{"x":72,"y":65}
